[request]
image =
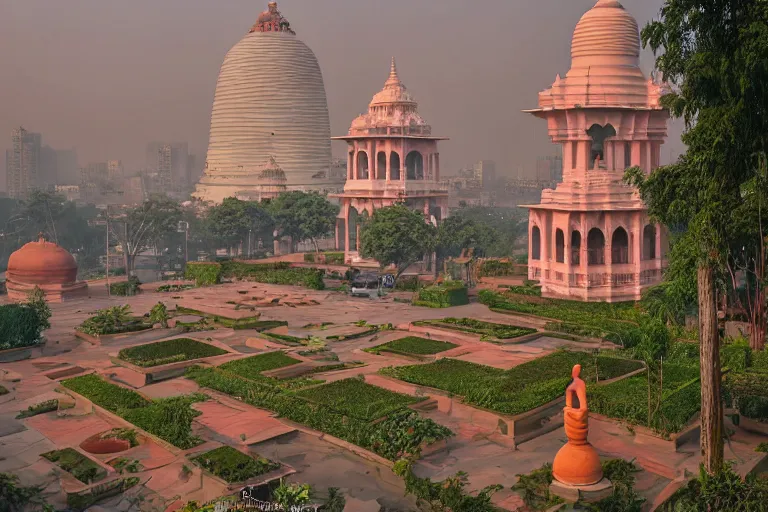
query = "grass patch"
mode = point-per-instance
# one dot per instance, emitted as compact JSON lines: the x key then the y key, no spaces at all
{"x":413,"y":345}
{"x":169,"y":419}
{"x":76,"y":464}
{"x":486,"y":329}
{"x":233,"y":466}
{"x":41,"y":408}
{"x":169,"y":351}
{"x":358,"y":399}
{"x":513,"y":391}
{"x":285,"y":338}
{"x":251,"y":367}
{"x":3,"y":391}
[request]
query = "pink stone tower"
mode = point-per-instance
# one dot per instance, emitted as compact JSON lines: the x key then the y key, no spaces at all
{"x":392,"y":158}
{"x":590,"y":238}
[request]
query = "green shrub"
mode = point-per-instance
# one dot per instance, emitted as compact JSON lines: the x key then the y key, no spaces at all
{"x":20,"y":326}
{"x":413,"y":345}
{"x":498,"y":331}
{"x":532,"y":290}
{"x":169,"y":351}
{"x":233,"y":466}
{"x":109,"y":396}
{"x":77,"y":464}
{"x":735,"y":356}
{"x":174,"y":287}
{"x":15,"y":498}
{"x":274,"y":273}
{"x":127,"y":288}
{"x":358,"y":399}
{"x":533,"y":488}
{"x":407,"y":284}
{"x":85,"y":499}
{"x":499,"y":268}
{"x":251,"y":367}
{"x":114,"y":320}
{"x":286,"y":339}
{"x":748,"y":392}
{"x":760,"y":361}
{"x":159,"y":315}
{"x":724,"y":491}
{"x":36,"y":300}
{"x":446,"y":295}
{"x":203,"y":273}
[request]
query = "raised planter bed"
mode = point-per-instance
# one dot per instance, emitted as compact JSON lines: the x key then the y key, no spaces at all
{"x":413,"y":347}
{"x":445,"y":331}
{"x":219,"y":462}
{"x":11,"y":355}
{"x":77,"y":464}
{"x":113,"y":441}
{"x":100,"y":339}
{"x":644,"y":435}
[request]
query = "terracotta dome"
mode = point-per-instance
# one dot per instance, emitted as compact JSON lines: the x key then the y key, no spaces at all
{"x":606,"y":30}
{"x":42,"y":262}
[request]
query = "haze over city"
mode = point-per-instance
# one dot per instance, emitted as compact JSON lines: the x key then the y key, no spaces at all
{"x":109,"y":77}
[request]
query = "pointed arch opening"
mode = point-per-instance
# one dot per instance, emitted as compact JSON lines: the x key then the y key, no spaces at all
{"x":559,"y":246}
{"x":576,"y":248}
{"x":535,"y":243}
{"x":381,"y":165}
{"x":352,"y":225}
{"x":414,"y":164}
{"x":619,"y":247}
{"x":595,"y":247}
{"x":649,"y":242}
{"x":599,"y":134}
{"x":394,"y":165}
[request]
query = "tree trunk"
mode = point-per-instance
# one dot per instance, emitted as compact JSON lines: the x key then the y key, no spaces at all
{"x":709,"y":345}
{"x":317,"y":247}
{"x":130,"y":261}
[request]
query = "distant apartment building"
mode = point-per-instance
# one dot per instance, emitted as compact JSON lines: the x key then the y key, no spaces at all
{"x":23,"y":163}
{"x":485,"y":172}
{"x":115,"y":171}
{"x":70,"y":192}
{"x":172,"y":166}
{"x":549,"y":168}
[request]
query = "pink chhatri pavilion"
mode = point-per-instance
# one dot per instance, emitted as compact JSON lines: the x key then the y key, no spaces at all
{"x":392,"y":158}
{"x":590,"y":238}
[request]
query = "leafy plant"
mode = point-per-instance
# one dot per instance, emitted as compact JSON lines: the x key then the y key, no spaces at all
{"x":113,"y":320}
{"x":203,"y":273}
{"x":36,"y":300}
{"x":80,"y":466}
{"x":446,"y":295}
{"x":413,"y":345}
{"x":127,"y":288}
{"x":534,"y":488}
{"x":274,"y":273}
{"x":15,"y":498}
{"x":251,"y":367}
{"x":41,"y":408}
{"x":355,"y":398}
{"x":499,"y":331}
{"x":725,"y":490}
{"x":159,"y":315}
{"x":174,"y":287}
{"x":291,"y":495}
{"x":233,"y":466}
{"x":20,"y":326}
{"x":335,"y":501}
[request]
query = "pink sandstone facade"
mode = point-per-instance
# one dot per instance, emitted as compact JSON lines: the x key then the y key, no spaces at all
{"x":590,"y":238}
{"x":392,"y":158}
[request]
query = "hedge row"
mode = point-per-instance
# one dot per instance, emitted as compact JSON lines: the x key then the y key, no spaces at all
{"x":498,"y":268}
{"x":443,"y":295}
{"x":20,"y":326}
{"x":203,"y":273}
{"x":274,"y":273}
{"x":329,"y":258}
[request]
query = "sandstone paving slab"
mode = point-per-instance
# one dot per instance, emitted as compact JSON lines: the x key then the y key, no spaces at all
{"x":496,"y":358}
{"x":170,"y":388}
{"x":68,"y":431}
{"x":126,"y":376}
{"x":23,"y":449}
{"x":150,"y":454}
{"x":9,"y":425}
{"x":239,"y":425}
{"x":169,"y":481}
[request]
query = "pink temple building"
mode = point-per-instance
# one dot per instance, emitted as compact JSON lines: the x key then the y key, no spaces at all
{"x":392,"y":158}
{"x":590,"y":238}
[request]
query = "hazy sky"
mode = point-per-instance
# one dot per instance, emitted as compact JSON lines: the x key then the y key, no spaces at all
{"x":108,"y":76}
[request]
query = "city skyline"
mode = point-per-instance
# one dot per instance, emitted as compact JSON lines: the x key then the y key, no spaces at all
{"x":153,"y":78}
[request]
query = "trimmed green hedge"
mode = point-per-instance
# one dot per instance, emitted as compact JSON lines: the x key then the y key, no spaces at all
{"x":169,"y":351}
{"x":274,"y":273}
{"x":251,"y":367}
{"x":443,"y":296}
{"x":20,"y":326}
{"x":233,"y":466}
{"x":490,"y":329}
{"x":358,"y":399}
{"x":76,"y":464}
{"x":748,"y":391}
{"x":203,"y":273}
{"x":413,"y":345}
{"x":127,"y":288}
{"x":498,"y":268}
{"x":329,"y":258}
{"x":513,"y":391}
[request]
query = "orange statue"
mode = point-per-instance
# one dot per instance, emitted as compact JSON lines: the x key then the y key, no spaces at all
{"x":577,"y":463}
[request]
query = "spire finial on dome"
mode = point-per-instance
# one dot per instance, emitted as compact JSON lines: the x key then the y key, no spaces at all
{"x":393,"y":78}
{"x":41,"y":237}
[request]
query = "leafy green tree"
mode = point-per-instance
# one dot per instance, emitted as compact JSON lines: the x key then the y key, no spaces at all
{"x":509,"y":224}
{"x":303,"y":216}
{"x":458,"y":232}
{"x":396,"y":235}
{"x":159,"y":315}
{"x":36,"y":301}
{"x":139,"y":228}
{"x":230,"y":222}
{"x":714,"y":55}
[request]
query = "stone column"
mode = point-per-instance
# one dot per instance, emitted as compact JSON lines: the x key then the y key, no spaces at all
{"x":608,"y":153}
{"x":636,"y":148}
{"x":637,"y":248}
{"x":618,"y":155}
{"x":350,"y":165}
{"x":403,"y":170}
{"x":437,"y":167}
{"x":648,"y":157}
{"x":658,"y":242}
{"x":388,"y":160}
{"x":355,"y":159}
{"x":567,"y":155}
{"x":582,"y":158}
{"x":371,"y":160}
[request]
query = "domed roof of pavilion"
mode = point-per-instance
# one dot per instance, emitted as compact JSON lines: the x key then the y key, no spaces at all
{"x":270,"y":101}
{"x":605,"y":65}
{"x":42,"y":262}
{"x":392,"y":107}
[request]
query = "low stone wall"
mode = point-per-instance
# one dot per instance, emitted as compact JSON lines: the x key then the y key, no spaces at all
{"x":646,"y":436}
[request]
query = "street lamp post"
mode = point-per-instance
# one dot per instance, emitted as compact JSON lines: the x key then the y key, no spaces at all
{"x":249,"y":244}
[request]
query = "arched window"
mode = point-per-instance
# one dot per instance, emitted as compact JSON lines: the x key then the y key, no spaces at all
{"x":341,"y":229}
{"x":414,"y":164}
{"x":559,"y":246}
{"x":649,"y":242}
{"x":352,"y":226}
{"x":381,"y":165}
{"x":576,"y":248}
{"x":595,"y":247}
{"x":599,"y":134}
{"x":619,"y":247}
{"x":394,"y":165}
{"x":535,"y":243}
{"x":362,"y":165}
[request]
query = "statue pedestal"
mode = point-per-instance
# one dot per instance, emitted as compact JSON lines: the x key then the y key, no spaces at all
{"x":584,"y":493}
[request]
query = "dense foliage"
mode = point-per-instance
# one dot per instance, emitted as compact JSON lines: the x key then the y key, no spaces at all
{"x":169,"y":419}
{"x":513,"y":391}
{"x":490,"y":330}
{"x":725,"y":491}
{"x":413,"y":345}
{"x":40,"y":408}
{"x":329,"y":258}
{"x":274,"y":273}
{"x":15,"y":498}
{"x":21,"y":325}
{"x":169,"y":351}
{"x":251,"y":367}
{"x":127,"y":288}
{"x":444,"y":295}
{"x":203,"y":273}
{"x":356,"y":398}
{"x":77,"y":464}
{"x":303,"y":215}
{"x":498,"y":268}
{"x":233,"y":466}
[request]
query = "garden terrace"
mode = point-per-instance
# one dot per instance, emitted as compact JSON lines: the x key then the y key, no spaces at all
{"x":627,"y":399}
{"x":413,"y":346}
{"x":520,"y":389}
{"x":358,"y":399}
{"x":76,"y":464}
{"x":252,"y":367}
{"x":274,"y":273}
{"x":401,"y":432}
{"x":170,"y":419}
{"x":614,"y":322}
{"x":169,"y":351}
{"x":233,"y":466}
{"x":489,"y":330}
